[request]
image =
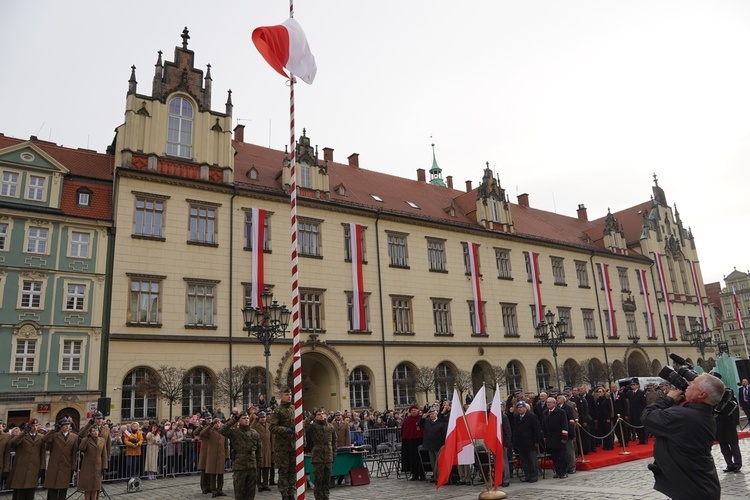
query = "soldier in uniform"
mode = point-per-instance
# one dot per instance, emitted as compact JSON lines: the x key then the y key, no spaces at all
{"x":4,"y":454}
{"x":30,"y":455}
{"x":323,"y":436}
{"x":282,"y":428}
{"x":216,"y":457}
{"x":262,"y":427}
{"x":63,"y":446}
{"x":247,"y":455}
{"x":98,"y":421}
{"x":198,"y":433}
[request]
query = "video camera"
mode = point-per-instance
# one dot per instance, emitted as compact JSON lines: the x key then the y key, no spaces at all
{"x":679,"y":378}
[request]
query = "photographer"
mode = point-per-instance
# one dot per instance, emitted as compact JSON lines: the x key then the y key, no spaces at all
{"x":684,"y":427}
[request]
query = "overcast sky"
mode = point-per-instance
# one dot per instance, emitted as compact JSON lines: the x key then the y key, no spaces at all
{"x":572,"y":102}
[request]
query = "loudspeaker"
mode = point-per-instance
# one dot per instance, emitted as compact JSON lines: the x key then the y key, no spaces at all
{"x":743,"y":368}
{"x":103,"y":405}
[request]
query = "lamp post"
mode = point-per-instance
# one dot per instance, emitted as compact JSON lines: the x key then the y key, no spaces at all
{"x":700,"y":338}
{"x":552,"y":334}
{"x":266,"y":323}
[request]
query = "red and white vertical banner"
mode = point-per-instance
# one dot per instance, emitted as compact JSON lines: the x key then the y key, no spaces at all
{"x":737,"y":310}
{"x":651,"y":331}
{"x":359,"y":320}
{"x":476,"y":290}
{"x":696,"y":284}
{"x":458,"y":443}
{"x":665,"y":293}
{"x":604,"y":268}
{"x":494,"y":437}
{"x":537,"y":288}
{"x":257,"y":239}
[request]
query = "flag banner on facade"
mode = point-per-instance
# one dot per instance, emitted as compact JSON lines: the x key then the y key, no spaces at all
{"x":737,"y":310}
{"x":457,"y":440}
{"x":651,"y":331}
{"x":536,"y":285}
{"x":257,"y":241}
{"x":665,"y":295}
{"x":285,"y":46}
{"x":359,"y":321}
{"x":473,"y":250}
{"x":493,"y":438}
{"x":604,"y":268}
{"x":696,"y":284}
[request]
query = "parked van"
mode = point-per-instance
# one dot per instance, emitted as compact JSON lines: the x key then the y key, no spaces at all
{"x":644,"y":381}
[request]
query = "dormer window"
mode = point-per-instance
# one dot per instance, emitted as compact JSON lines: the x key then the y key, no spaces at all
{"x":304,"y":175}
{"x":180,"y":128}
{"x":253,"y":174}
{"x":83,"y":197}
{"x":412,"y":204}
{"x":495,"y":210}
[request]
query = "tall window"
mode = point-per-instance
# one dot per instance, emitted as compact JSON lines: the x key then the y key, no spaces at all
{"x":682,"y":327}
{"x":31,"y":294}
{"x":467,"y":261}
{"x":588,"y":323}
{"x":25,"y":355}
{"x":35,"y":189}
{"x":513,"y":376}
{"x":632,"y":328}
{"x":495,"y":210}
{"x":304,"y":178}
{"x":474,"y":326}
{"x":308,"y":238}
{"x":402,"y":318}
{"x":502,"y":259}
{"x":622,"y":275}
{"x":249,"y":231}
{"x":202,"y":224}
{"x":79,"y":244}
{"x":137,"y":404}
{"x":311,"y":311}
{"x":348,"y":247}
{"x":436,"y":254}
{"x":9,"y":186}
{"x":672,"y":277}
{"x":684,"y":276}
{"x":350,"y":311}
{"x":647,"y":320}
{"x":403,"y":386}
{"x":197,"y":391}
{"x":582,"y":274}
{"x":441,"y":314}
{"x":444,"y":380}
{"x":398,"y":255}
{"x":75,"y":299}
{"x":37,"y":241}
{"x":149,"y":217}
{"x":72,"y":352}
{"x":180,"y":128}
{"x":3,"y":236}
{"x":201,"y":304}
{"x":563,"y":314}
{"x":359,"y":388}
{"x":542,"y":376}
{"x":145,"y":306}
{"x":510,"y":320}
{"x":254,"y":386}
{"x":527,"y":262}
{"x":558,"y":270}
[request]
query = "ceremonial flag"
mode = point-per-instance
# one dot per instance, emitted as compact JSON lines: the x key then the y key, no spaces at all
{"x":698,"y":294}
{"x":536,"y":285}
{"x":476,"y":419}
{"x":665,"y":294}
{"x":604,"y":268}
{"x":285,"y":46}
{"x":651,"y":331}
{"x":359,"y":320}
{"x":456,"y":441}
{"x":257,"y":241}
{"x":737,"y":310}
{"x":473,"y":250}
{"x":494,"y":437}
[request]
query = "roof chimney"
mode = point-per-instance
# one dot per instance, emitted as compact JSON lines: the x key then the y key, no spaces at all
{"x":449,"y":181}
{"x":353,"y":160}
{"x":421,"y":175}
{"x":468,"y":186}
{"x":328,"y":154}
{"x":523,"y":200}
{"x":582,"y":212}
{"x":239,"y":133}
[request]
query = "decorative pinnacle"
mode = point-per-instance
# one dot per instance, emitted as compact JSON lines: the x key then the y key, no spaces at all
{"x":185,"y":38}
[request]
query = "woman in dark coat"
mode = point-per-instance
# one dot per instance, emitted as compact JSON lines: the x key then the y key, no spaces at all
{"x":555,"y":432}
{"x":93,"y":459}
{"x":604,"y":415}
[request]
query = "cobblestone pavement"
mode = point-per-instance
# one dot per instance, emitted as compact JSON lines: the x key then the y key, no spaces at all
{"x":631,"y":480}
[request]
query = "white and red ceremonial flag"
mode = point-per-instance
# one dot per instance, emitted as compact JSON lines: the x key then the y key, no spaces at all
{"x":536,"y":284}
{"x":665,"y":294}
{"x":737,"y":310}
{"x":604,"y":268}
{"x":696,"y":284}
{"x":359,"y":321}
{"x":285,"y":46}
{"x":473,"y":249}
{"x":651,"y":331}
{"x":257,"y":242}
{"x":476,"y":419}
{"x":456,"y":440}
{"x":493,"y":439}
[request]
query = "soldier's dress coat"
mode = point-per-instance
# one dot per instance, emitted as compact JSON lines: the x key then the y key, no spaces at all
{"x":93,"y":460}
{"x":30,"y":456}
{"x":62,"y":459}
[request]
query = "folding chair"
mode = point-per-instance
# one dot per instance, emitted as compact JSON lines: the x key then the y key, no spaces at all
{"x":482,"y":464}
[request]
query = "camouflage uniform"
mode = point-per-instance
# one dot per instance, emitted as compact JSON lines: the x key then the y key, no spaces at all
{"x":284,"y":447}
{"x":247,"y":449}
{"x":323,"y":437}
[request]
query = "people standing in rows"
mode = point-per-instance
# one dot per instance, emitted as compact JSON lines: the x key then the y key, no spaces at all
{"x":93,"y":459}
{"x":29,"y":461}
{"x":285,"y":445}
{"x":323,"y":437}
{"x":215,"y":443}
{"x":63,"y":448}
{"x":527,"y":433}
{"x":265,"y":467}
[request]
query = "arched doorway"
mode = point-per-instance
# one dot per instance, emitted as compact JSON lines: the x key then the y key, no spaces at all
{"x":655,"y":367}
{"x":638,"y":365}
{"x":320,"y":382}
{"x":72,"y":414}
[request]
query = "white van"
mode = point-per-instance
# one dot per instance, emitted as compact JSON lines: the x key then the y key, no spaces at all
{"x":644,"y":381}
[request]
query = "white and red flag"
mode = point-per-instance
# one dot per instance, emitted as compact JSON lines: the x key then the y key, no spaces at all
{"x":476,"y":290}
{"x":359,"y":320}
{"x":536,"y":284}
{"x":285,"y":46}
{"x":476,"y":419}
{"x":651,"y":331}
{"x":610,"y":304}
{"x":665,"y":294}
{"x":257,"y":242}
{"x":493,"y":439}
{"x":696,"y":284}
{"x":737,"y":310}
{"x":456,"y":441}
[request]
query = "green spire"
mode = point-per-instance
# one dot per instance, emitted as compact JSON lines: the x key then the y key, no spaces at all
{"x":436,"y":174}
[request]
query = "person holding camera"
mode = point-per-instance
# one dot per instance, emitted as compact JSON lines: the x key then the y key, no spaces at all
{"x":684,"y":426}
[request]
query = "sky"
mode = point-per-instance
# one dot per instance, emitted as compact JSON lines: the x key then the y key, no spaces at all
{"x":572,"y":102}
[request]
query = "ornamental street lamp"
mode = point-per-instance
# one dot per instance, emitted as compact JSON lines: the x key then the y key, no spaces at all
{"x":552,"y":334}
{"x":266,"y":323}
{"x":700,"y":338}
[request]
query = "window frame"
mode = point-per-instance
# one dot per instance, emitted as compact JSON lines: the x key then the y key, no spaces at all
{"x":26,"y":297}
{"x":312,"y":310}
{"x":350,"y":312}
{"x":398,"y":249}
{"x":503,"y":263}
{"x":347,"y":243}
{"x":154,"y":216}
{"x":37,"y":241}
{"x":9,"y":182}
{"x":558,"y":270}
{"x":248,"y":227}
{"x":402,"y":315}
{"x":582,"y":274}
{"x":206,"y":300}
{"x":77,"y":297}
{"x":203,"y":223}
{"x":309,"y":237}
{"x":509,"y":313}
{"x":35,"y":192}
{"x":5,"y":229}
{"x":441,"y":316}
{"x":177,"y":121}
{"x":66,"y":358}
{"x":359,"y":388}
{"x":78,"y":245}
{"x":132,"y":314}
{"x":474,"y":332}
{"x":436,"y":255}
{"x":589,"y":325}
{"x":25,"y":356}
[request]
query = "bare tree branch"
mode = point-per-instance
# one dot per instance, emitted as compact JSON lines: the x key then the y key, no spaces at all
{"x":166,"y":385}
{"x":424,"y":381}
{"x":230,"y":389}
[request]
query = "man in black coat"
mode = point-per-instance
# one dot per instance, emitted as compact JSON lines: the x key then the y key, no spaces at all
{"x":526,"y":434}
{"x":683,"y":465}
{"x":621,"y":408}
{"x":744,"y":398}
{"x":555,"y":432}
{"x":435,"y":426}
{"x":637,"y":400}
{"x":726,"y":434}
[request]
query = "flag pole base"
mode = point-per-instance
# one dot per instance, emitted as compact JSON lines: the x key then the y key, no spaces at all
{"x":492,"y":494}
{"x":583,"y":460}
{"x":626,"y":453}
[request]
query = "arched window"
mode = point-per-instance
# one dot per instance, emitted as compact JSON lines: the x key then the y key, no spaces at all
{"x":444,"y":380}
{"x":138,"y":402}
{"x":542,"y":376}
{"x":403,"y":385}
{"x":255,"y":385}
{"x":513,"y":376}
{"x":197,"y":391}
{"x":359,"y":389}
{"x":180,"y":128}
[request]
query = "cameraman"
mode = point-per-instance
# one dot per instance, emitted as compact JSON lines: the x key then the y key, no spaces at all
{"x":683,"y":465}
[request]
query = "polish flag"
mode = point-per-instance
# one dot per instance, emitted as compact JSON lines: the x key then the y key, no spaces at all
{"x":665,"y":293}
{"x":537,"y":288}
{"x":456,"y":441}
{"x":651,"y":333}
{"x":476,"y":419}
{"x":494,"y":436}
{"x":285,"y":46}
{"x":359,"y":319}
{"x":610,"y":304}
{"x":476,"y":290}
{"x":257,"y":240}
{"x":737,"y":310}
{"x":698,"y":294}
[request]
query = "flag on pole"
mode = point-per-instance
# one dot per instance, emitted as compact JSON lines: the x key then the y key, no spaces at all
{"x":604,"y":268}
{"x":696,"y":284}
{"x":257,"y":239}
{"x":359,"y":320}
{"x":737,"y":310}
{"x":651,"y":331}
{"x":456,"y":441}
{"x":473,"y":249}
{"x":665,"y":295}
{"x":285,"y":46}
{"x":536,"y":284}
{"x":476,"y":419}
{"x":494,"y":437}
